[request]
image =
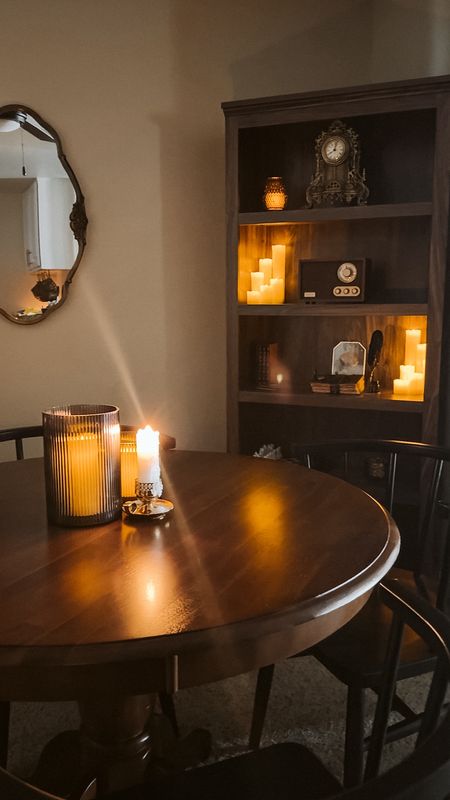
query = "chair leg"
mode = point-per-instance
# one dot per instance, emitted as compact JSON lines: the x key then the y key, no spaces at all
{"x":168,"y":709}
{"x":262,"y":693}
{"x":354,"y":737}
{"x":4,"y":732}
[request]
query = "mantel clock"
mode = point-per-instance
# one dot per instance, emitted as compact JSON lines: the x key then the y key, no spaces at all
{"x":337,"y":179}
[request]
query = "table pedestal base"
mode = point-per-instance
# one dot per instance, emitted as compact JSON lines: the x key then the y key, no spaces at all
{"x":121,"y":742}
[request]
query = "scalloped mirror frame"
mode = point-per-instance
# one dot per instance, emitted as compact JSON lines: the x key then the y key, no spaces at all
{"x":78,"y":220}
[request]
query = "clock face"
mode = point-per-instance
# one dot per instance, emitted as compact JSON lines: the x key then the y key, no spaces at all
{"x":347,"y":272}
{"x":334,"y":150}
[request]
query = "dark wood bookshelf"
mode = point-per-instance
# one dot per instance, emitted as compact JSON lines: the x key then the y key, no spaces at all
{"x":334,"y":310}
{"x":362,"y":402}
{"x":386,"y":211}
{"x":402,"y":233}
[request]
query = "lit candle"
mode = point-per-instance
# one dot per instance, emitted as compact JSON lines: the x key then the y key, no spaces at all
{"x":279,"y":260}
{"x":84,"y":474}
{"x":267,"y":295}
{"x":265,"y":265}
{"x":412,"y":339}
{"x":257,"y":279}
{"x":254,"y":298}
{"x":416,"y":385}
{"x":421,"y":355}
{"x":401,"y":386}
{"x":278,"y":289}
{"x":147,"y":446}
{"x":406,"y":371}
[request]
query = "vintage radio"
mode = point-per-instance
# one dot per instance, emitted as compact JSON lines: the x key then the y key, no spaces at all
{"x":337,"y":281}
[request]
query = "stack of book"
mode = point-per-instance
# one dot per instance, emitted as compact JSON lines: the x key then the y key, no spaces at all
{"x":338,"y":384}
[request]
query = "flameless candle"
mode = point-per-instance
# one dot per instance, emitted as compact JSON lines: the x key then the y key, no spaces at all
{"x":421,"y":354}
{"x":265,"y":265}
{"x":257,"y":279}
{"x":416,"y":384}
{"x":254,"y":298}
{"x":401,"y":386}
{"x":267,"y":295}
{"x":278,"y":260}
{"x":147,"y":446}
{"x":406,"y":371}
{"x":278,"y":289}
{"x":412,"y":339}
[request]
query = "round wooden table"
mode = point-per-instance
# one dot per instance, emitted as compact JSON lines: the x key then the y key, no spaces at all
{"x":259,"y":560}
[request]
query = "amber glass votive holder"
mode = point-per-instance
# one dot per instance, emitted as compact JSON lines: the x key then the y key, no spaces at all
{"x":82,"y":464}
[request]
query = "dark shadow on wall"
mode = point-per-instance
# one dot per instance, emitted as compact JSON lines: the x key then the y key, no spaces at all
{"x":335,"y":53}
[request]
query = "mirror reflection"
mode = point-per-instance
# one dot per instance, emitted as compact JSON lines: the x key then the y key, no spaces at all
{"x":42,"y":220}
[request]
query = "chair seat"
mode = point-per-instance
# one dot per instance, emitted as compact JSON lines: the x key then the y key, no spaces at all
{"x":355,"y":653}
{"x":283,"y":771}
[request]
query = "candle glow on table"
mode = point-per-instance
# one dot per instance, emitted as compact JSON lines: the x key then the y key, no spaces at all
{"x":147,"y":447}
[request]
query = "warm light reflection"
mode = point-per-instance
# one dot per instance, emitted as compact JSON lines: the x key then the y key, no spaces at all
{"x":151,"y":591}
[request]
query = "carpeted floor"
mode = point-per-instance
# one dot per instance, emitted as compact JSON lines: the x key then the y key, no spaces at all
{"x":307,"y":704}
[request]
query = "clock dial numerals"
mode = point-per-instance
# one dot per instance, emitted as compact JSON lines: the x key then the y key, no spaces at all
{"x":334,"y":150}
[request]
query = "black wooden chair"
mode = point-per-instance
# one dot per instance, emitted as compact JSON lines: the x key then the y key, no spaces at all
{"x":408,"y":479}
{"x":18,"y":435}
{"x":288,"y":771}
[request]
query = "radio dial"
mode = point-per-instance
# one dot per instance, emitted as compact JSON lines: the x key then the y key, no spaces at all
{"x":347,"y":272}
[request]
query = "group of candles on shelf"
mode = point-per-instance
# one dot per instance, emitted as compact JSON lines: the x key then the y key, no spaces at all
{"x":268,"y":283}
{"x":412,"y":372}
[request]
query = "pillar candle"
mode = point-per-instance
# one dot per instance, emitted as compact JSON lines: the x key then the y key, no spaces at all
{"x":421,"y":354}
{"x":406,"y":371}
{"x":147,"y":447}
{"x":412,"y":339}
{"x":279,"y":260}
{"x":401,"y":386}
{"x":267,"y":294}
{"x":416,"y":385}
{"x":278,"y":289}
{"x":265,"y":265}
{"x":257,"y":279}
{"x":254,"y":298}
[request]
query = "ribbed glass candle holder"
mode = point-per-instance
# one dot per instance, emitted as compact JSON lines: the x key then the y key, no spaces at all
{"x":82,"y":464}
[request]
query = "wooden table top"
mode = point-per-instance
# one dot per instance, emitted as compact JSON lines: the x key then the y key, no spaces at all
{"x":253,"y":547}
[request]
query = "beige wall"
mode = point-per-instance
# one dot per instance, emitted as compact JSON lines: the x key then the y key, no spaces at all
{"x":134,"y":88}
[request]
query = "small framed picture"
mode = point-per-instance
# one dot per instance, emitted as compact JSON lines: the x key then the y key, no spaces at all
{"x":349,"y":358}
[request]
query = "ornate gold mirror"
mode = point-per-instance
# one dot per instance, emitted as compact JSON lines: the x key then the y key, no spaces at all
{"x":42,"y":218}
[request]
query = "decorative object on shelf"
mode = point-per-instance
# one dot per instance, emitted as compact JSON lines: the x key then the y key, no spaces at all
{"x":349,"y":358}
{"x":337,"y":384}
{"x":373,"y":360}
{"x":148,"y":484}
{"x":348,"y":364}
{"x":412,"y":372}
{"x":267,"y":366}
{"x":337,"y":179}
{"x":82,"y":464}
{"x":268,"y":451}
{"x":268,"y":283}
{"x":333,"y":281}
{"x":275,"y":197}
